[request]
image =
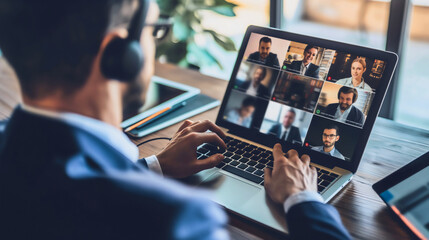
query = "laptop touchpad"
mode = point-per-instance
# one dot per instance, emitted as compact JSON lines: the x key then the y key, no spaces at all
{"x":229,"y":191}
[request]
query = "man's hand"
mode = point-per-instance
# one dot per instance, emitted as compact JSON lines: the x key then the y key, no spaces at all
{"x":289,"y":175}
{"x":179,"y":158}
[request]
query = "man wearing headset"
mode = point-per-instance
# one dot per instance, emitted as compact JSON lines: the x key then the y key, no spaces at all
{"x":66,"y":169}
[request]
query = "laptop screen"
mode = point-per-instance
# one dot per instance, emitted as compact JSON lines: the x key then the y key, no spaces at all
{"x":303,"y":94}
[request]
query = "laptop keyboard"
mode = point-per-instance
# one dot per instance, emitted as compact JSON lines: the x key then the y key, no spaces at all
{"x":248,"y":161}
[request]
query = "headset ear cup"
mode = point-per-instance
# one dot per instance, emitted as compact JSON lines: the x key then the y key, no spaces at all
{"x":122,"y":60}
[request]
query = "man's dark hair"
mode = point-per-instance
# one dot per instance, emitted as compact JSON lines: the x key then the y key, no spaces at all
{"x":333,"y":126}
{"x":52,"y":45}
{"x":347,"y":90}
{"x":292,"y":111}
{"x":249,"y":101}
{"x":264,"y":39}
{"x":310,"y":47}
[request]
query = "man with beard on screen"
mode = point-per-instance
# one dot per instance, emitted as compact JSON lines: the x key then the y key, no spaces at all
{"x":344,"y":111}
{"x":330,"y":136}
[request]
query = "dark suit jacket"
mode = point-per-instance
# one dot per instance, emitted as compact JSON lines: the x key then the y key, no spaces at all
{"x":314,"y":220}
{"x":262,"y":90}
{"x":271,"y":59}
{"x":293,"y":135}
{"x":312,"y":70}
{"x":355,"y":116}
{"x":61,"y":182}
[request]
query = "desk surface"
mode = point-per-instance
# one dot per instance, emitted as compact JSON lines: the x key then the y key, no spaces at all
{"x":390,"y":146}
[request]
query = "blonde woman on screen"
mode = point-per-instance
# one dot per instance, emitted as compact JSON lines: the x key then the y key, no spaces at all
{"x":356,"y":80}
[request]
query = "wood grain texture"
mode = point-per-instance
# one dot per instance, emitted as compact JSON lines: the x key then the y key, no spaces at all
{"x":390,"y":147}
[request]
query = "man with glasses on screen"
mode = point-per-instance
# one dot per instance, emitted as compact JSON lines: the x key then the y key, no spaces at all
{"x":67,"y":171}
{"x":330,"y":136}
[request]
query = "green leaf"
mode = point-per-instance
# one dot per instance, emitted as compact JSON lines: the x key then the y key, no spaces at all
{"x":223,"y":10}
{"x":167,"y":7}
{"x":200,"y":56}
{"x":181,"y":29}
{"x":175,"y":52}
{"x":223,"y":41}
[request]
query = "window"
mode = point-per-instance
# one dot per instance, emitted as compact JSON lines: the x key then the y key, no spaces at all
{"x":412,"y":99}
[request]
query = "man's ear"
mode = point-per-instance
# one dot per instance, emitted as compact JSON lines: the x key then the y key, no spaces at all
{"x":338,"y":138}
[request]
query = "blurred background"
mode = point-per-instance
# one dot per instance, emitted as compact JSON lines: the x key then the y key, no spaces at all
{"x":207,"y":33}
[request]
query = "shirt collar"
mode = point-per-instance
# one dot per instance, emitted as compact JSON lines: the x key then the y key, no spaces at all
{"x":347,"y":111}
{"x":103,"y":131}
{"x":332,"y":152}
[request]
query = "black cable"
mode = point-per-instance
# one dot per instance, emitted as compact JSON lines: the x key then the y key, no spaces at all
{"x":153,"y":139}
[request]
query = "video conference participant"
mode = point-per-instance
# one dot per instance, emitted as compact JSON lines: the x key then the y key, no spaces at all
{"x":254,"y":87}
{"x":344,"y":111}
{"x":330,"y":136}
{"x":243,"y":115}
{"x":305,"y":67}
{"x":263,"y":55}
{"x":285,"y":130}
{"x":357,"y":69}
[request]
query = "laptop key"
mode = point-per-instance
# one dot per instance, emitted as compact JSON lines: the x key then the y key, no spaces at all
{"x":333,"y":175}
{"x":252,"y":163}
{"x":236,"y":157}
{"x":320,"y":188}
{"x":243,"y":174}
{"x":248,"y":149}
{"x":202,"y":150}
{"x":264,"y":155}
{"x":270,"y":164}
{"x":327,"y":178}
{"x":227,"y":159}
{"x":259,"y":173}
{"x":260,"y":166}
{"x":247,"y":155}
{"x":228,"y":154}
{"x":324,"y":183}
{"x":256,"y":158}
{"x":232,"y":149}
{"x":244,"y":160}
{"x":263,"y":161}
{"x":242,"y":166}
{"x":255,"y":152}
{"x":324,"y":171}
{"x":239,"y":152}
{"x":250,"y":169}
{"x":234,"y":163}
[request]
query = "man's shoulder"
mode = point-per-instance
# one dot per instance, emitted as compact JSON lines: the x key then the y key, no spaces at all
{"x":332,"y":107}
{"x":272,"y":55}
{"x":254,"y":56}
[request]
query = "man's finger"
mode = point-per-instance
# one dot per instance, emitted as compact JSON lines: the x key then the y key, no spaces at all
{"x":292,"y":153}
{"x":209,"y":137}
{"x":267,"y":177}
{"x":277,"y":152}
{"x":305,"y":159}
{"x":209,"y":162}
{"x":208,"y":125}
{"x":184,"y":125}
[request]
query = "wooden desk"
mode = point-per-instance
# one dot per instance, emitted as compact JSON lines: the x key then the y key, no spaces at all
{"x":391,"y":146}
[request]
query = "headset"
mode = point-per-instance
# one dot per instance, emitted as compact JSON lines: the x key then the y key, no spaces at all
{"x":123,"y":59}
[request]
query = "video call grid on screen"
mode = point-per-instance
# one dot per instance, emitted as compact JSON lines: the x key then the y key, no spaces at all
{"x":272,"y":71}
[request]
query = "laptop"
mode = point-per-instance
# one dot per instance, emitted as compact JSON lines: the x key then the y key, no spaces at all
{"x":317,"y":96}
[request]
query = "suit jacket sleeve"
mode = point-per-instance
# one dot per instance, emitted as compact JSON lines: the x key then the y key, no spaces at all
{"x":315,"y":220}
